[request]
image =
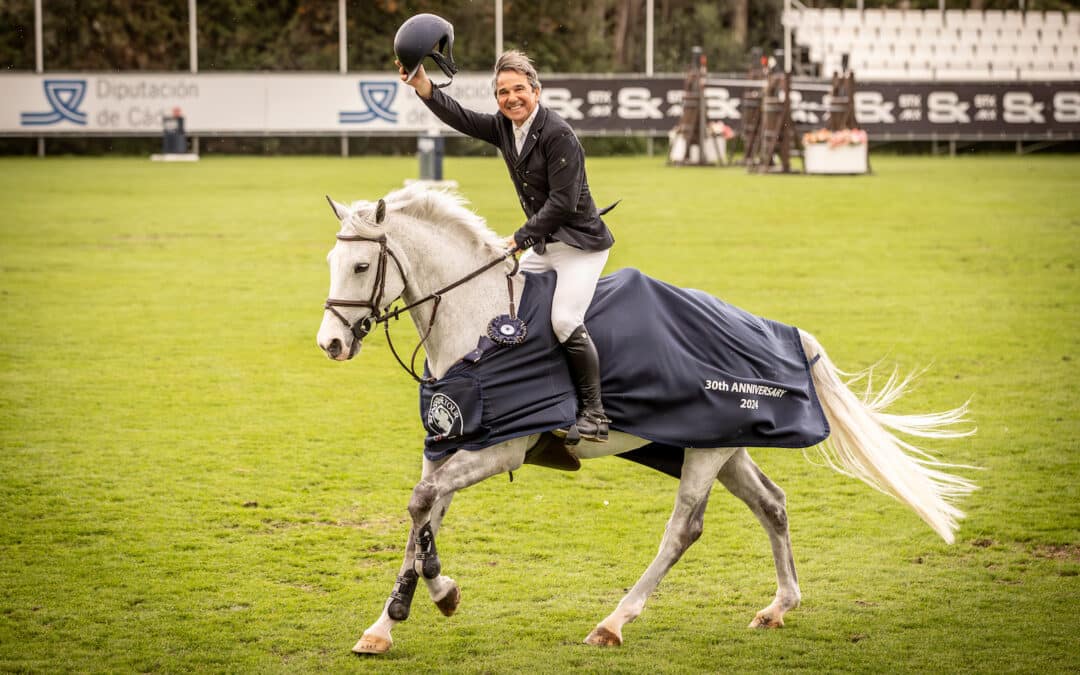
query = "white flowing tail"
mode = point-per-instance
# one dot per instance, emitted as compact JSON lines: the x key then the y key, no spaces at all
{"x":862,"y":443}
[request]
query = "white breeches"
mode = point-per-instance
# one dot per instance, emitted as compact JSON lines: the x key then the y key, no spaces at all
{"x":578,"y":273}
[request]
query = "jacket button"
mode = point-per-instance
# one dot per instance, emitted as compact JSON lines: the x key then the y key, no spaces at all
{"x":524,"y":185}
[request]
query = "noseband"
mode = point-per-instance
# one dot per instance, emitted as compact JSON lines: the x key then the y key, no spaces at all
{"x":361,"y":328}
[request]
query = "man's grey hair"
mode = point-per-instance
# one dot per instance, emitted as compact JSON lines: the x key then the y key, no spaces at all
{"x":519,"y":63}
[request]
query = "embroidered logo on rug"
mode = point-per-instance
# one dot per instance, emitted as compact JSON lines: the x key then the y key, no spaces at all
{"x":444,"y":416}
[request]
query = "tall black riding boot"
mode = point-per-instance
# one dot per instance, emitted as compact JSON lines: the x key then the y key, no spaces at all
{"x":584,"y":365}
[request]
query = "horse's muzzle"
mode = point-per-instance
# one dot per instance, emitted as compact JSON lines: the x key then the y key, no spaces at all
{"x":336,"y":350}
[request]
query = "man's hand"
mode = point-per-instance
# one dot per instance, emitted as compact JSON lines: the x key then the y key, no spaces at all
{"x":419,"y":81}
{"x":509,"y":244}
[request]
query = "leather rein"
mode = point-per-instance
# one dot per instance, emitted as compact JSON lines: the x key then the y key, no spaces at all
{"x":361,"y":328}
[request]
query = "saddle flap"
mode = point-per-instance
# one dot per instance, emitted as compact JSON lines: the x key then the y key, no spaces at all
{"x":551,"y":452}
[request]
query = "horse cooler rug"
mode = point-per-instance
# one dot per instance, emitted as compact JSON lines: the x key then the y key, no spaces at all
{"x":679,"y":368}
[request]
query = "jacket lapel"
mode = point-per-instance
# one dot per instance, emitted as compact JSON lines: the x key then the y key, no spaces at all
{"x":534,"y":134}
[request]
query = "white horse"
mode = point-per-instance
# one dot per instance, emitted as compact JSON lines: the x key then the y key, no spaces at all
{"x":415,"y":242}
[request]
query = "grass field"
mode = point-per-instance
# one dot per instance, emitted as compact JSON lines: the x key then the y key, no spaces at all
{"x":188,"y":484}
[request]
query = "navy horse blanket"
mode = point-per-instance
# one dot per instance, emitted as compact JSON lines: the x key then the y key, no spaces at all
{"x":680,"y":368}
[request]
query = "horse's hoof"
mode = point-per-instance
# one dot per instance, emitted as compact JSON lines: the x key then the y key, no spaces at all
{"x":448,"y":604}
{"x":763,"y":620}
{"x":372,"y":644}
{"x":602,"y":637}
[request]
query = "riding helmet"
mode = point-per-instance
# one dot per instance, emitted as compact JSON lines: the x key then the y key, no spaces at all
{"x":422,"y":36}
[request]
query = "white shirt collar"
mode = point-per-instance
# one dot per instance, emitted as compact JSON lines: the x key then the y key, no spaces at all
{"x":520,"y":133}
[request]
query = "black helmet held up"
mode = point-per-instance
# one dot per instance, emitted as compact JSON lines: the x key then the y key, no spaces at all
{"x":422,"y":36}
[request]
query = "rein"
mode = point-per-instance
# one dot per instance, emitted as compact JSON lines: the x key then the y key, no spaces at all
{"x":361,"y":329}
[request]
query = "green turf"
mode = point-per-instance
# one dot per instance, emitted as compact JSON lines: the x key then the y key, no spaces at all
{"x":188,"y":484}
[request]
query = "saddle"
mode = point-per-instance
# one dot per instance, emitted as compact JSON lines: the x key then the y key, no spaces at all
{"x":680,"y":368}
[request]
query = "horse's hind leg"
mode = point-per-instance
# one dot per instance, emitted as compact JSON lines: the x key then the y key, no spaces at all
{"x":767,"y":501}
{"x":700,"y":468}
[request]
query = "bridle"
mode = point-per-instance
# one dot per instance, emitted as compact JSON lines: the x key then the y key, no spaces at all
{"x":361,"y":328}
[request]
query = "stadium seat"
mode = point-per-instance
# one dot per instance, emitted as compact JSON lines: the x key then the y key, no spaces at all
{"x":1013,"y":21}
{"x":1046,"y":71}
{"x":964,"y":71}
{"x":912,"y":18}
{"x":874,"y":17}
{"x":957,"y":43}
{"x":1004,"y":71}
{"x":850,"y":17}
{"x":1054,"y":20}
{"x":1009,"y":35}
{"x":968,"y":36}
{"x":993,"y":18}
{"x":973,"y":18}
{"x":1072,"y":22}
{"x":907,"y":34}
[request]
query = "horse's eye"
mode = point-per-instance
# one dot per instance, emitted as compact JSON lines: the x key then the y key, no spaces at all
{"x":360,"y":267}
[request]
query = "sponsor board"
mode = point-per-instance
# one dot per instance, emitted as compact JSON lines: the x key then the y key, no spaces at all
{"x":377,"y":103}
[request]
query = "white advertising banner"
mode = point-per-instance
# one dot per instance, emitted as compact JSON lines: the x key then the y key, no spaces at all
{"x":233,"y":103}
{"x":379,"y":103}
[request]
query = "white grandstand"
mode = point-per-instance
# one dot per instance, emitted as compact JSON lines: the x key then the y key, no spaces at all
{"x":954,"y":44}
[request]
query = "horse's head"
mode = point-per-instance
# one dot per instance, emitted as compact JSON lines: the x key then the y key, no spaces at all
{"x":366,"y":276}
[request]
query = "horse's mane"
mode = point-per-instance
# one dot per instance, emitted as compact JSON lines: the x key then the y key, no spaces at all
{"x":443,"y":208}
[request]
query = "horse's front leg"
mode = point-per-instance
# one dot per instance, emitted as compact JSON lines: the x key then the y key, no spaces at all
{"x":430,"y":499}
{"x":443,"y":590}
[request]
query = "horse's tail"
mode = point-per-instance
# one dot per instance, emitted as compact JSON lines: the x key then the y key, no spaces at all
{"x":863,"y":445}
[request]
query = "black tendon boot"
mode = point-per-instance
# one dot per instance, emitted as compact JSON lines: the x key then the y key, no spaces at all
{"x":584,"y":365}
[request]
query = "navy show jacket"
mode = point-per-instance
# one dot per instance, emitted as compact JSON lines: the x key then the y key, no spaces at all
{"x":549,"y":173}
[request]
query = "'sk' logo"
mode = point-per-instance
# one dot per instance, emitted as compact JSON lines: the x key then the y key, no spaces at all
{"x":65,"y":97}
{"x":378,"y":97}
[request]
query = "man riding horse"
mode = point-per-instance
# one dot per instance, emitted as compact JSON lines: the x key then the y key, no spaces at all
{"x":563,"y":230}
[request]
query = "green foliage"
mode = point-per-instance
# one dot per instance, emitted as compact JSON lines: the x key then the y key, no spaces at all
{"x":562,"y":36}
{"x":188,"y":485}
{"x":604,"y":36}
{"x":17,"y":35}
{"x":114,"y":34}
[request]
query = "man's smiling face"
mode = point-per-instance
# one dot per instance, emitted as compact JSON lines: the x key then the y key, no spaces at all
{"x":517,"y":99}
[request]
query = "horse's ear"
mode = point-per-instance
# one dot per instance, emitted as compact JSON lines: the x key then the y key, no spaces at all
{"x":340,"y":210}
{"x":380,"y":212}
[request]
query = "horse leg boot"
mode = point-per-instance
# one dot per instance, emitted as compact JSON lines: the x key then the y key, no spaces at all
{"x":443,"y":590}
{"x":428,"y":504}
{"x":745,"y":480}
{"x":584,"y":364}
{"x":376,"y":639}
{"x":700,"y":467}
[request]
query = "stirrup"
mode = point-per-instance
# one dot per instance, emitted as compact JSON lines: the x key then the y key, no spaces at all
{"x":597,"y":419}
{"x":571,"y":435}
